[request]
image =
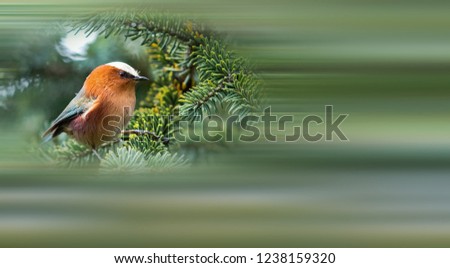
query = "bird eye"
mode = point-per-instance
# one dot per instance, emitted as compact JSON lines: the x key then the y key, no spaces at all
{"x":126,"y":75}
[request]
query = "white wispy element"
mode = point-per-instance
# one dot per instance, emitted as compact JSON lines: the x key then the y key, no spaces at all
{"x":124,"y":67}
{"x":74,"y":46}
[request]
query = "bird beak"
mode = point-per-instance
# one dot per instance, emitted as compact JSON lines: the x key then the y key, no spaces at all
{"x":140,"y":78}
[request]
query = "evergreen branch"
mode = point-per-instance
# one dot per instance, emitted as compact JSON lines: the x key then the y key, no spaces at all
{"x":123,"y":160}
{"x":164,"y":140}
{"x":70,"y":154}
{"x":149,"y":25}
{"x":128,"y":160}
{"x":166,"y":161}
{"x":217,"y":69}
{"x":194,"y":75}
{"x":204,"y":99}
{"x":215,"y":62}
{"x":211,"y":93}
{"x":144,"y":24}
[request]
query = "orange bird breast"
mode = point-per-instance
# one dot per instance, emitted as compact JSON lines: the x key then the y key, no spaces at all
{"x":111,"y":111}
{"x":102,"y":108}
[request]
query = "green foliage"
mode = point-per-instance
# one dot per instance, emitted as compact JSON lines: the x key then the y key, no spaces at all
{"x":190,"y":54}
{"x":226,"y":81}
{"x":157,"y":129}
{"x":71,"y":154}
{"x":123,"y":160}
{"x":129,"y":160}
{"x":193,"y":75}
{"x":145,"y":24}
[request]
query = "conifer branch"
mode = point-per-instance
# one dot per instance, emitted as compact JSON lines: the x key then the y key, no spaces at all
{"x":152,"y":134}
{"x":194,"y":75}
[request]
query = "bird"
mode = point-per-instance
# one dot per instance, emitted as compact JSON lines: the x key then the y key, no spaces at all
{"x":101,"y":109}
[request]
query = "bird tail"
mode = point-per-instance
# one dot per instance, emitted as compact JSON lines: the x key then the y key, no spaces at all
{"x":47,"y":138}
{"x":50,"y":133}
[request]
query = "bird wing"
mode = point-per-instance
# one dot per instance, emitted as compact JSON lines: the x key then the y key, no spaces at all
{"x":77,"y":106}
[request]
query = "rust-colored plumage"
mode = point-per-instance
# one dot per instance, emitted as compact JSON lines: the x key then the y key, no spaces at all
{"x":102,"y":108}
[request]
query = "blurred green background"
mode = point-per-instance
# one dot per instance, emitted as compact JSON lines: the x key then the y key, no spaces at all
{"x":385,"y":63}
